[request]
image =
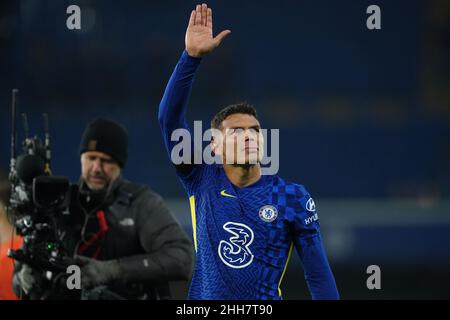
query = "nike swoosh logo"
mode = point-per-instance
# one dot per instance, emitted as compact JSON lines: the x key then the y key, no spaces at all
{"x":223,"y":193}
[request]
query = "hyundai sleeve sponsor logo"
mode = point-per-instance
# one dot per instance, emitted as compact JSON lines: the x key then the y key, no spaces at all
{"x":310,"y":205}
{"x":313,"y":218}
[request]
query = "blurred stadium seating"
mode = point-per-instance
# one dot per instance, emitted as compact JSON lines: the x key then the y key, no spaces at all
{"x":364,"y":116}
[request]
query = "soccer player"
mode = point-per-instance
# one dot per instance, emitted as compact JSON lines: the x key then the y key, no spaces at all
{"x":245,"y":224}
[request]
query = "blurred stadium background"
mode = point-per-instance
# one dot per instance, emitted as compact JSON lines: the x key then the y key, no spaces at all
{"x":364,"y":116}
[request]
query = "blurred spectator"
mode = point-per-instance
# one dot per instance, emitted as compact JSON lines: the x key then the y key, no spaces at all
{"x":8,"y":239}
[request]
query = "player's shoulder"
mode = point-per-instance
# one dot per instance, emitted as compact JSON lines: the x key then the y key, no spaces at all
{"x":198,"y":176}
{"x":296,"y":194}
{"x":291,"y":188}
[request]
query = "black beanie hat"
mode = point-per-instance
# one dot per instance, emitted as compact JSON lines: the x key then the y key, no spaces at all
{"x":106,"y":136}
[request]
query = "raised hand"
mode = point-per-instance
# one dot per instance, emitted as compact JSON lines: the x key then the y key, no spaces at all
{"x":199,"y":34}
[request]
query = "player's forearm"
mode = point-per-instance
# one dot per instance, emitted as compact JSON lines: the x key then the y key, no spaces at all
{"x":318,"y":274}
{"x":173,"y":106}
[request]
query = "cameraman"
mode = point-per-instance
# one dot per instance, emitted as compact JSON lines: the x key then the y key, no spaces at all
{"x":122,"y":234}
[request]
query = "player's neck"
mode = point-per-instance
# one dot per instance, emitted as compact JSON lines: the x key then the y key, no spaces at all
{"x":243,"y":176}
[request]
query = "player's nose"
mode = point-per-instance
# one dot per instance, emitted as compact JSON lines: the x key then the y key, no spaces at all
{"x":250,"y":135}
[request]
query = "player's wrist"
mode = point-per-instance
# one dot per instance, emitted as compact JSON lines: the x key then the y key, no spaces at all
{"x":187,"y":55}
{"x":193,"y":53}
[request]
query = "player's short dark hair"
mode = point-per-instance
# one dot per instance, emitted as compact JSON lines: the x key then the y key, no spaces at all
{"x":241,"y":107}
{"x":5,"y":189}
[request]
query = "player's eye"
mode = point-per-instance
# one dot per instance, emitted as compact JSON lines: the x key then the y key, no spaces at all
{"x":231,"y":131}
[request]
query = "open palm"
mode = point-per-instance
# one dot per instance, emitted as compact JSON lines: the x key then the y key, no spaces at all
{"x":199,"y":34}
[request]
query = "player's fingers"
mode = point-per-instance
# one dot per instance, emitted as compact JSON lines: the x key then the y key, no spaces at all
{"x":209,"y":18}
{"x":204,"y":13}
{"x":198,"y":15}
{"x":192,"y":19}
{"x":219,"y":38}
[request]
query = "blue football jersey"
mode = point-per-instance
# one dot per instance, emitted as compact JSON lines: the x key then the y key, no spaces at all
{"x":244,"y":237}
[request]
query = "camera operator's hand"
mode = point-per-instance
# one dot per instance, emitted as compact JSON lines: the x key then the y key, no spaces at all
{"x":26,"y":278}
{"x":96,"y":272}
